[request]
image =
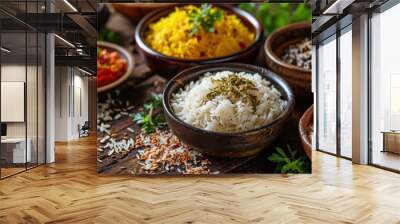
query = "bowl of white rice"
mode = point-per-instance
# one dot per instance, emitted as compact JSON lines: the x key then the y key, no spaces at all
{"x":227,"y":110}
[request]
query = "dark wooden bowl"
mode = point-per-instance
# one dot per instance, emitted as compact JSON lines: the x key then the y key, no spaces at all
{"x":298,"y":78}
{"x":240,"y":144}
{"x":305,"y":122}
{"x":136,"y":11}
{"x":168,"y":66}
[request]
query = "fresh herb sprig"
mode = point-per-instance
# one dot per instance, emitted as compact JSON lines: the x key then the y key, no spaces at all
{"x":289,"y":163}
{"x":147,"y":119}
{"x":205,"y":18}
{"x":106,"y":34}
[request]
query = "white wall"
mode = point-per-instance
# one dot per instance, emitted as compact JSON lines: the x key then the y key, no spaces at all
{"x":61,"y":103}
{"x":71,"y":93}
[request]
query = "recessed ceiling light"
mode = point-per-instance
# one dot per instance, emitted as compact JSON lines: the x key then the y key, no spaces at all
{"x":64,"y":40}
{"x":5,"y":49}
{"x":337,"y":7}
{"x":70,"y":5}
{"x":84,"y":71}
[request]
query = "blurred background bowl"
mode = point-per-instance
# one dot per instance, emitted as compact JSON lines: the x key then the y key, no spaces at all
{"x":306,"y":122}
{"x":169,"y":66}
{"x":298,"y":78}
{"x":136,"y":11}
{"x":219,"y":144}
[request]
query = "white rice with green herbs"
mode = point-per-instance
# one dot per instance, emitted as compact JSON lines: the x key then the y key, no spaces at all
{"x":228,"y":102}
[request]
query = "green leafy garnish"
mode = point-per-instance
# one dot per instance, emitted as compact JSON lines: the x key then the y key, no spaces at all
{"x":274,"y":16}
{"x":289,"y":163}
{"x":109,"y":36}
{"x":205,"y":18}
{"x":147,"y":120}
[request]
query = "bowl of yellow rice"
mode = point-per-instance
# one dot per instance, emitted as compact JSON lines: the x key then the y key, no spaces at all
{"x":183,"y":36}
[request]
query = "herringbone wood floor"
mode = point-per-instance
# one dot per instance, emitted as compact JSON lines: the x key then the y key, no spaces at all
{"x":70,"y":191}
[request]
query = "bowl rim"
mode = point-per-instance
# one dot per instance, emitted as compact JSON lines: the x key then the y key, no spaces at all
{"x":265,"y":73}
{"x":243,"y":15}
{"x":129,"y":58}
{"x":271,"y":54}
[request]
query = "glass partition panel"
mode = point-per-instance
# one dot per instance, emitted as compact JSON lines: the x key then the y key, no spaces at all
{"x":326,"y":117}
{"x":22,"y":77}
{"x":15,"y":151}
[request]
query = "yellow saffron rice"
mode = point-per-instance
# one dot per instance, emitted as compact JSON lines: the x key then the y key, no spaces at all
{"x":171,"y":36}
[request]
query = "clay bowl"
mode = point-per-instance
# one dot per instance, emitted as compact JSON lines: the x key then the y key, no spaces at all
{"x":304,"y":128}
{"x":123,"y":53}
{"x":136,"y":11}
{"x":298,"y":78}
{"x":168,"y":66}
{"x":240,"y":144}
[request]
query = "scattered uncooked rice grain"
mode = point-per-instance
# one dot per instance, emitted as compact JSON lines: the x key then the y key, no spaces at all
{"x":163,"y":152}
{"x":202,"y":104}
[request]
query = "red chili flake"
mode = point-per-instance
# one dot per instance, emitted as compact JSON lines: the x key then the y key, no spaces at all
{"x":242,"y":45}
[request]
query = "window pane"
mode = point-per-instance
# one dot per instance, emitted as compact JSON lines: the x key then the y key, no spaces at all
{"x":346,"y":94}
{"x":327,"y":96}
{"x":385,"y":84}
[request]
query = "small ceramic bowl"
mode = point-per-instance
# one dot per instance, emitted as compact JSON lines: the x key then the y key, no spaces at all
{"x":298,"y":78}
{"x":304,"y":129}
{"x":240,"y":144}
{"x":169,"y":66}
{"x":129,"y":59}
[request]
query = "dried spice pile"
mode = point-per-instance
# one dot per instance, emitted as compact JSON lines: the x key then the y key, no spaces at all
{"x":163,"y":152}
{"x":299,"y":54}
{"x":235,"y":88}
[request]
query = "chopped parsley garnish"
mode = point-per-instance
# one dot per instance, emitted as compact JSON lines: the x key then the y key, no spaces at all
{"x":205,"y":18}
